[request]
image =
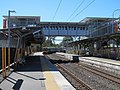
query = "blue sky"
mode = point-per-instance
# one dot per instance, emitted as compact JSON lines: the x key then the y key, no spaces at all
{"x":46,"y":9}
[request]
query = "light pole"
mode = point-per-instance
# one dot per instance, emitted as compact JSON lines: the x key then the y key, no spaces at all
{"x":9,"y":26}
{"x":113,"y":19}
{"x":9,"y":37}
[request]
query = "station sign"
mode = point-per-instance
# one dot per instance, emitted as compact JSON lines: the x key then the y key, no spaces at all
{"x":4,"y":23}
{"x":117,"y":26}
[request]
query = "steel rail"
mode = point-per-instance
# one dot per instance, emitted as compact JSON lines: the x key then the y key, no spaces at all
{"x":100,"y":73}
{"x":82,"y":83}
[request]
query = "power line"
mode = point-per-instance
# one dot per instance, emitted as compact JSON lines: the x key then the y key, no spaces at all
{"x":76,"y":9}
{"x":82,"y":10}
{"x":57,"y":10}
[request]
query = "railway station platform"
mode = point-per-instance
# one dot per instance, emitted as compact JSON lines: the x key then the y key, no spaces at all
{"x":104,"y":60}
{"x":107,"y":64}
{"x":36,"y":74}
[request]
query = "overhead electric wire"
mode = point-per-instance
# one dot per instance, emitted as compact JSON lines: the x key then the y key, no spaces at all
{"x":76,"y":9}
{"x":57,"y":10}
{"x":82,"y":10}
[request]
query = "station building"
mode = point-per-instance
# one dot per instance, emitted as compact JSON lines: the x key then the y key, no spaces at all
{"x":20,"y":21}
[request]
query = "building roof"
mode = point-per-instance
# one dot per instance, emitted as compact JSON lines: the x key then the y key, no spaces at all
{"x":100,"y":19}
{"x":61,"y":23}
{"x":14,"y":17}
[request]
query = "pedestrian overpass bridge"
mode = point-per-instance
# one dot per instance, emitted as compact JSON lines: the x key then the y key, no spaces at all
{"x":64,"y":29}
{"x":36,"y":34}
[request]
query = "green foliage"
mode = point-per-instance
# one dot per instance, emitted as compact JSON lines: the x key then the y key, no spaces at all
{"x":66,"y":40}
{"x":48,"y":43}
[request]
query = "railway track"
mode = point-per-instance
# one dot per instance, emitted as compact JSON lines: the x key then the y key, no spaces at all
{"x":80,"y":85}
{"x":72,"y":78}
{"x":94,"y":77}
{"x":100,"y":72}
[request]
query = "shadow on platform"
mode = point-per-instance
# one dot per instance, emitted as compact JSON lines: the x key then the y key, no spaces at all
{"x":34,"y":63}
{"x":17,"y":84}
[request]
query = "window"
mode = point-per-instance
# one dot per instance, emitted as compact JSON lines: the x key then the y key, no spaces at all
{"x":57,"y":27}
{"x":80,"y":28}
{"x":50,"y":27}
{"x":62,"y":27}
{"x":66,"y":28}
{"x":83,"y":28}
{"x":74,"y":28}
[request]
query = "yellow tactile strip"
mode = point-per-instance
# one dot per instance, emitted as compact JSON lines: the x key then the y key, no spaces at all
{"x":50,"y":83}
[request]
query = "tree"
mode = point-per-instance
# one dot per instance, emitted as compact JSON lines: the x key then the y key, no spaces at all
{"x":66,"y":40}
{"x":49,"y":43}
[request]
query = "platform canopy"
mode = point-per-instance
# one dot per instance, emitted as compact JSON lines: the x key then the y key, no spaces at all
{"x":95,"y":39}
{"x":96,"y":19}
{"x":24,"y":32}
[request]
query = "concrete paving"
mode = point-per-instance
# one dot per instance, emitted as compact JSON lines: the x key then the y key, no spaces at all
{"x":37,"y":74}
{"x":27,"y":77}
